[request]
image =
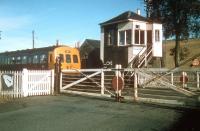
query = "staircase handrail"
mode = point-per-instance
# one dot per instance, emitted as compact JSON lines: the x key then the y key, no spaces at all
{"x":134,"y":57}
{"x":145,"y":54}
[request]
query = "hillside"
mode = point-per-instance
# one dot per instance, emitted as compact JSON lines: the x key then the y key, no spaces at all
{"x":193,"y":45}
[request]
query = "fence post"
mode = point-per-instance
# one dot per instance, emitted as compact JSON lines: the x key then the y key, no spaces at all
{"x":135,"y":86}
{"x":172,"y":78}
{"x":61,"y":80}
{"x":52,"y":81}
{"x":102,"y":82}
{"x":57,"y":76}
{"x":198,"y":80}
{"x":25,"y":82}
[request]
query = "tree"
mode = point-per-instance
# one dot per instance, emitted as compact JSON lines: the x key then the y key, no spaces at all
{"x":180,"y":19}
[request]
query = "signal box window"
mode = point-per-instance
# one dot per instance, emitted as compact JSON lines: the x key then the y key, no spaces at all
{"x":128,"y":37}
{"x":61,"y":56}
{"x":68,"y":58}
{"x":157,"y":35}
{"x":122,"y":38}
{"x":139,"y":37}
{"x":75,"y":59}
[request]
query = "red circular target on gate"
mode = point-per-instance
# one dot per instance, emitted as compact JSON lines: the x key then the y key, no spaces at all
{"x":184,"y":78}
{"x":118,"y":83}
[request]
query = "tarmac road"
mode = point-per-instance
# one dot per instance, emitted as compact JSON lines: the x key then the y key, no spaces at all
{"x":76,"y":113}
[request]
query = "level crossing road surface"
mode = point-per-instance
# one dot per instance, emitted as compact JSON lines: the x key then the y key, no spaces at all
{"x":78,"y":113}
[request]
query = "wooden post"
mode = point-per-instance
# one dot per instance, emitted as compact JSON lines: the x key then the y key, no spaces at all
{"x":172,"y":78}
{"x":102,"y":82}
{"x":198,"y":80}
{"x":57,"y":76}
{"x":60,"y":80}
{"x":52,"y":81}
{"x":135,"y":86}
{"x":183,"y":82}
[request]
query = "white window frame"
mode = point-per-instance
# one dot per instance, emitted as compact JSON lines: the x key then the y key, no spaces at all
{"x":139,"y":30}
{"x":125,"y":42}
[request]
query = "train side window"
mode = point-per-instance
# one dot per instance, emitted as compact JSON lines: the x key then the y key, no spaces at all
{"x":29,"y":60}
{"x":6,"y":60}
{"x":18,"y":60}
{"x":9,"y":60}
{"x":35,"y":59}
{"x":68,"y":58}
{"x":13,"y":60}
{"x":61,"y":58}
{"x":24,"y":60}
{"x":43,"y":58}
{"x":75,"y":58}
{"x":1,"y":60}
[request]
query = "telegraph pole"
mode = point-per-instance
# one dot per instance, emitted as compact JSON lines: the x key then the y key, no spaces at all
{"x":33,"y":36}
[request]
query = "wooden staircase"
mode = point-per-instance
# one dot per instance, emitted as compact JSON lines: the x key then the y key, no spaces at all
{"x":152,"y":79}
{"x":141,"y":60}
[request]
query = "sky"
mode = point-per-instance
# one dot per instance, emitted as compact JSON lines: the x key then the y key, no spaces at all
{"x":69,"y":21}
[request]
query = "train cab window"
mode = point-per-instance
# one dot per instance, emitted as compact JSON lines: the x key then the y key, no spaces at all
{"x":75,"y":58}
{"x":43,"y":58}
{"x":68,"y":58}
{"x":24,"y":59}
{"x":50,"y":58}
{"x":61,"y":56}
{"x":35,"y":59}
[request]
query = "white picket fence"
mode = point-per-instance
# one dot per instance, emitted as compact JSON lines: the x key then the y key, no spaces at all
{"x":16,"y":84}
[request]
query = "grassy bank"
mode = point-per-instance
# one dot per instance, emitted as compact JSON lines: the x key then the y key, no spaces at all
{"x":193,"y":46}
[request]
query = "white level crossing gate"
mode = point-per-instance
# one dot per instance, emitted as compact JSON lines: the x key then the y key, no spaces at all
{"x":17,"y":84}
{"x":147,"y":85}
{"x":85,"y":81}
{"x":38,"y":82}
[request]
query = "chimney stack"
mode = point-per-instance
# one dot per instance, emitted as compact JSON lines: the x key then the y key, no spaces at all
{"x":57,"y":42}
{"x":138,"y":11}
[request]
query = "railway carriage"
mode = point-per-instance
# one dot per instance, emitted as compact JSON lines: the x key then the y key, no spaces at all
{"x":41,"y":58}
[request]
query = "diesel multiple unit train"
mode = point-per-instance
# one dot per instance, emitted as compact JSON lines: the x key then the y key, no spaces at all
{"x":41,"y":58}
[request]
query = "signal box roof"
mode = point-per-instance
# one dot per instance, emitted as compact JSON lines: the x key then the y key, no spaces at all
{"x":124,"y":17}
